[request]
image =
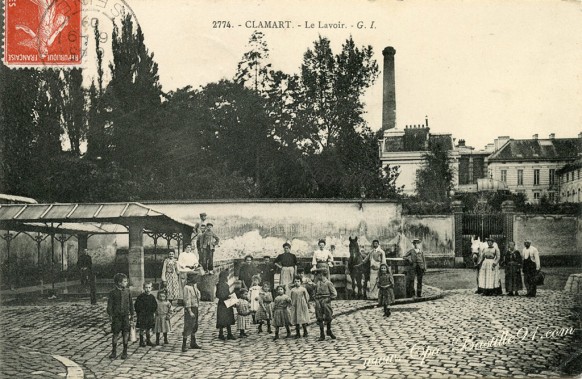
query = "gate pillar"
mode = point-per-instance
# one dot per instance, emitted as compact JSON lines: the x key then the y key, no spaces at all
{"x":457,"y":206}
{"x":508,"y":210}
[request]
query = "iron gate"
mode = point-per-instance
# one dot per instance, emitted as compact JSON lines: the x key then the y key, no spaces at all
{"x":482,"y":225}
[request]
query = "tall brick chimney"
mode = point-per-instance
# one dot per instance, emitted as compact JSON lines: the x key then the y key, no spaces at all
{"x":389,"y":96}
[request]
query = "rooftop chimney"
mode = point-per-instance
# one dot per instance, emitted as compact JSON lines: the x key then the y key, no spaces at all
{"x":552,"y":135}
{"x":535,"y":136}
{"x":389,"y":96}
{"x":579,"y":135}
{"x":500,"y":141}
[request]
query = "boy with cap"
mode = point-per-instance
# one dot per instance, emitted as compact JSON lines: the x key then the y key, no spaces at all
{"x":208,"y":244}
{"x":191,"y":305}
{"x":120,"y":311}
{"x":416,"y":266}
{"x":325,"y":292}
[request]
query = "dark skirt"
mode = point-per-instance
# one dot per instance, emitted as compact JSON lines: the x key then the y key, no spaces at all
{"x":224,"y":315}
{"x":385,"y":296}
{"x":145,"y":321}
{"x":281,"y":317}
{"x":513,"y":278}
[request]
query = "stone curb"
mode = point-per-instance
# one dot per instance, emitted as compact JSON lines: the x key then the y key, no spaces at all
{"x":367,"y":304}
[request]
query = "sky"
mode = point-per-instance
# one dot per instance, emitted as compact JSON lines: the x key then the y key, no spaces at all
{"x":477,"y":69}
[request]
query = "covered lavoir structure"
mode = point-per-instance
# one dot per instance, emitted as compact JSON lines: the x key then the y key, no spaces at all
{"x":84,"y":220}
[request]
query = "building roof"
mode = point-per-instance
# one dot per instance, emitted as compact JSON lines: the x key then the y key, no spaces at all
{"x":87,"y":217}
{"x":5,"y":198}
{"x":577,"y":164}
{"x":559,"y":149}
{"x":415,"y":139}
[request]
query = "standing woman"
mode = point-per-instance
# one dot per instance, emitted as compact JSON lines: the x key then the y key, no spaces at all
{"x":513,"y":263}
{"x":188,"y":262}
{"x":170,"y":277}
{"x":377,"y":257}
{"x":489,"y":274}
{"x":322,"y":259}
{"x":287,"y":263}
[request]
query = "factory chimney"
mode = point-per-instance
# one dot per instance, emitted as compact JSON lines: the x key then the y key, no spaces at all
{"x":389,"y":96}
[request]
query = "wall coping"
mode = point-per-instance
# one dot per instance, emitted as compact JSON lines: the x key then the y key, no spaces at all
{"x":282,"y":201}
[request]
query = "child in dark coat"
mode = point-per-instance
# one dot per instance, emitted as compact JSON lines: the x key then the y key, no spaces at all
{"x":145,"y":308}
{"x":120,"y":311}
{"x":224,"y":314}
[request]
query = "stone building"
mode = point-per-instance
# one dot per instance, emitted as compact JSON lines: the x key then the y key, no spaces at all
{"x":570,"y":182}
{"x":405,"y":147}
{"x":530,"y":166}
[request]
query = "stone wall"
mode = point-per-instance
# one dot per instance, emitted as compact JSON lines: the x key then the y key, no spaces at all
{"x":557,"y":237}
{"x":244,"y":227}
{"x":261,"y":227}
{"x":437,"y":236}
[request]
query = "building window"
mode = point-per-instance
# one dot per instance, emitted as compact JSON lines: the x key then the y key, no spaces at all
{"x":552,"y":197}
{"x":578,"y":174}
{"x":520,"y":177}
{"x":536,"y":177}
{"x":504,"y":176}
{"x":552,"y":176}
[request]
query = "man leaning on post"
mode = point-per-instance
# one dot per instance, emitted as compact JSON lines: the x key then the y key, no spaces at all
{"x":416,"y":267}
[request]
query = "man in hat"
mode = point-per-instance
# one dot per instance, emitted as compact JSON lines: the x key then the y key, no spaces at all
{"x":287,"y":263}
{"x":416,"y":266}
{"x":198,"y":224}
{"x":531,"y":265}
{"x":325,"y":292}
{"x":207,"y":245}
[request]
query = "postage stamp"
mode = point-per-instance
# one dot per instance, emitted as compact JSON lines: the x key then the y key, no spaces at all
{"x":42,"y":33}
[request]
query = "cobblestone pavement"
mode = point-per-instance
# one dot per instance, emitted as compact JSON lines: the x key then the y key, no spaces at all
{"x":460,"y":335}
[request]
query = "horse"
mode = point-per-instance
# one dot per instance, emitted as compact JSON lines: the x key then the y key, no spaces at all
{"x":357,"y":269}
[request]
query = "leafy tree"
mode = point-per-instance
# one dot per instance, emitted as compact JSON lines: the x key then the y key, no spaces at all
{"x":334,"y":86}
{"x":73,"y":108}
{"x":434,"y":180}
{"x":18,"y":95}
{"x":134,"y":97}
{"x":252,"y":70}
{"x":98,"y":140}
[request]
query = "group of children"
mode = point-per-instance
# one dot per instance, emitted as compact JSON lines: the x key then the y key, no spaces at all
{"x":254,"y":306}
{"x":152,"y":315}
{"x":257,"y":305}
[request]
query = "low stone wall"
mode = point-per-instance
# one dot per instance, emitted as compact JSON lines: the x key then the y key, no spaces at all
{"x":574,"y":284}
{"x":557,"y":237}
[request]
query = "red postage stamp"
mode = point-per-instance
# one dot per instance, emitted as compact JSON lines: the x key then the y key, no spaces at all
{"x":42,"y":33}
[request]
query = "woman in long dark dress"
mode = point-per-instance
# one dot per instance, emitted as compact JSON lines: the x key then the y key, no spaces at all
{"x":513,"y":263}
{"x":224,"y":314}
